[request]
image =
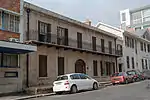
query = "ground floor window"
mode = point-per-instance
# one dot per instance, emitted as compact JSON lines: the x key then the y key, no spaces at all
{"x":60,"y":65}
{"x":9,"y":60}
{"x":95,"y":71}
{"x":42,"y":66}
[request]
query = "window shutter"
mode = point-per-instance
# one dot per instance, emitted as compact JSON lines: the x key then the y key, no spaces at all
{"x":48,"y":32}
{"x":66,"y":37}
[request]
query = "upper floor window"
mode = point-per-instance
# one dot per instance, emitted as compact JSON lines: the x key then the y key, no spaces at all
{"x":94,"y":43}
{"x":141,"y":46}
{"x":110,"y":47}
{"x":146,"y":13}
{"x":62,"y":36}
{"x":145,"y":47}
{"x":102,"y":45}
{"x":79,"y":40}
{"x":148,"y":47}
{"x":123,"y":16}
{"x":44,"y":30}
{"x":128,"y":62}
{"x":9,"y":22}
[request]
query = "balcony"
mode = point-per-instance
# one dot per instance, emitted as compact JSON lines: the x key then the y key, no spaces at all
{"x":69,"y":43}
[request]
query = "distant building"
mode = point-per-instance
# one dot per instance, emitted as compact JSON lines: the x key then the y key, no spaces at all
{"x":137,"y":19}
{"x":136,"y":49}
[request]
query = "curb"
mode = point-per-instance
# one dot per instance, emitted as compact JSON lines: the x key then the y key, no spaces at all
{"x":33,"y":96}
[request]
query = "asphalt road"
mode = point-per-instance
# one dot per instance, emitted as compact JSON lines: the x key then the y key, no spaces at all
{"x":133,"y":91}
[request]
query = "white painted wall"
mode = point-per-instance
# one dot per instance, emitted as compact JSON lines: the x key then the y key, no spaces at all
{"x":127,"y":13}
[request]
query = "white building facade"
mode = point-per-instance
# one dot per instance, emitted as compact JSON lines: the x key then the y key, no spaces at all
{"x":137,"y":19}
{"x":136,"y":50}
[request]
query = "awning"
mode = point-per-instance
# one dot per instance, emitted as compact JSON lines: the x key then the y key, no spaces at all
{"x":16,"y":48}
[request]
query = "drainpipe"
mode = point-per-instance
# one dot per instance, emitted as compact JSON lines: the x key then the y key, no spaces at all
{"x":27,"y":38}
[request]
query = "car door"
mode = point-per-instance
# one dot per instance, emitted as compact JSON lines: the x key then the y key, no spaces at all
{"x":85,"y":82}
{"x":75,"y":79}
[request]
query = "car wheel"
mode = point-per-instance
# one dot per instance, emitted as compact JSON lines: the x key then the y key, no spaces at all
{"x":133,"y":80}
{"x":95,"y":86}
{"x":113,"y":84}
{"x":74,"y":89}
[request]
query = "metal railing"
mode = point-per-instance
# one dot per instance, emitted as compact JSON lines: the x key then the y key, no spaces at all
{"x":61,"y":40}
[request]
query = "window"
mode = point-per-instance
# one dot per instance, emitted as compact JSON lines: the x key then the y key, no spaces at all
{"x":75,"y":76}
{"x":82,"y":76}
{"x":10,"y":60}
{"x":141,"y":46}
{"x":133,"y":63}
{"x":144,"y":47}
{"x":44,"y":30}
{"x":102,"y":69}
{"x":11,"y":22}
{"x":123,"y":16}
{"x":142,"y":64}
{"x":95,"y":71}
{"x":102,"y":45}
{"x":136,"y":17}
{"x":148,"y":47}
{"x":146,"y":13}
{"x":108,"y":68}
{"x":62,"y":78}
{"x":146,"y":64}
{"x":146,"y":19}
{"x":11,"y":74}
{"x":94,"y":43}
{"x":110,"y":47}
{"x":79,"y":40}
{"x":132,"y":43}
{"x":128,"y":63}
{"x":42,"y":66}
{"x":60,"y":65}
{"x":62,"y":36}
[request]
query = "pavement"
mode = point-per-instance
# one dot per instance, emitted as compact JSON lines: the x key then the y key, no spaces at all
{"x":133,"y":91}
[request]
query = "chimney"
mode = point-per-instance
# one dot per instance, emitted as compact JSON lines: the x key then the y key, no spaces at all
{"x":88,"y":22}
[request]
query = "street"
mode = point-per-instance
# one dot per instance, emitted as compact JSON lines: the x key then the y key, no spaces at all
{"x":133,"y":91}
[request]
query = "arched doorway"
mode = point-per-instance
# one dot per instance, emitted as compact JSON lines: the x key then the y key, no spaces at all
{"x":80,"y":66}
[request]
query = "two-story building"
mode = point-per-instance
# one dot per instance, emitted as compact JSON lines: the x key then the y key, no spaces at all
{"x":65,"y":45}
{"x":135,"y":49}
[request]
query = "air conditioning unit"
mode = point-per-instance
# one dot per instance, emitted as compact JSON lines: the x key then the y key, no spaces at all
{"x":13,"y":40}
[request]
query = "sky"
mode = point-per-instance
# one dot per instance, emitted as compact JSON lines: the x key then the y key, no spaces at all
{"x":106,"y":11}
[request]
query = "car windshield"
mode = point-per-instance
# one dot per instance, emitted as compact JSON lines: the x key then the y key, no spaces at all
{"x":117,"y":74}
{"x":59,"y":78}
{"x":131,"y":73}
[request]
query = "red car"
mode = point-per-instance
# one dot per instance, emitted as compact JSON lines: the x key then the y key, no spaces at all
{"x":121,"y":77}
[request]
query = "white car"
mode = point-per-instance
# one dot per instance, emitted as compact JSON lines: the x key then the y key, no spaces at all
{"x":73,"y":83}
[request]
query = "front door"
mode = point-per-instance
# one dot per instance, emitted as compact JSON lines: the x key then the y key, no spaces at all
{"x":80,"y":66}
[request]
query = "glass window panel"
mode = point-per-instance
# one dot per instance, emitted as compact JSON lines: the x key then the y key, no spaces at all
{"x":146,"y":19}
{"x":136,"y":15}
{"x":146,"y":13}
{"x":123,"y":16}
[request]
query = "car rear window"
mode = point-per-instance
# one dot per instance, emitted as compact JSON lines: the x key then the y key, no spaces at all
{"x":117,"y":74}
{"x":59,"y":78}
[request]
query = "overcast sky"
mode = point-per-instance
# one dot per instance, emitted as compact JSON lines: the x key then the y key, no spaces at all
{"x":106,"y":11}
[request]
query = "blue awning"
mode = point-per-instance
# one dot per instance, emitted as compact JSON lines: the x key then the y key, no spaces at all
{"x":16,"y":48}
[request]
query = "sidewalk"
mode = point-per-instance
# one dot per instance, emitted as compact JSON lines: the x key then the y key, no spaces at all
{"x":23,"y":96}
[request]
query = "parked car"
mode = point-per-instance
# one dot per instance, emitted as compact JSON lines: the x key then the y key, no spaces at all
{"x":146,"y":74}
{"x":121,"y":77}
{"x":136,"y":75}
{"x":73,"y":83}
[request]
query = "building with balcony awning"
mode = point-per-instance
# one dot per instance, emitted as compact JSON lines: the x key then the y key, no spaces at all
{"x":13,"y":64}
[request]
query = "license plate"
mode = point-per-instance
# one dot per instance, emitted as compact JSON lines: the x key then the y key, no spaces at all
{"x":117,"y":82}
